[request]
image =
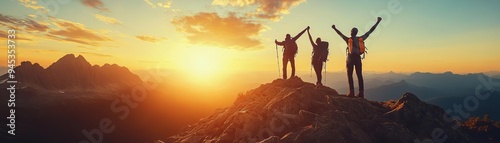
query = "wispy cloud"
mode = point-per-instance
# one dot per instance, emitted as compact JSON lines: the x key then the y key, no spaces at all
{"x":96,"y":54}
{"x":108,"y":20}
{"x":159,"y":4}
{"x":226,"y":32}
{"x":55,"y":29}
{"x":28,"y":25}
{"x":75,"y":32}
{"x":97,"y":4}
{"x":151,"y":39}
{"x":4,"y":34}
{"x":265,"y":9}
{"x":87,"y":48}
{"x":33,"y":4}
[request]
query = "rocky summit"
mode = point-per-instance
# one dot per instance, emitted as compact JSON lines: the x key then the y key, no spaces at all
{"x":291,"y":110}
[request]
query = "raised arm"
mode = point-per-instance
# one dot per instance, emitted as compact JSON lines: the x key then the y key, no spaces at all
{"x":340,"y":33}
{"x":300,"y":34}
{"x":278,"y":43}
{"x":311,"y":39}
{"x":365,"y":36}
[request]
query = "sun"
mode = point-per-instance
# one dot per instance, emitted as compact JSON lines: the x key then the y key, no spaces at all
{"x":202,"y":64}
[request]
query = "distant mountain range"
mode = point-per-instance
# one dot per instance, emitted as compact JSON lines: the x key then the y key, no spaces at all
{"x":394,"y":91}
{"x":444,"y":90}
{"x":74,"y":73}
{"x":444,"y":84}
{"x":3,"y":70}
{"x":489,"y":106}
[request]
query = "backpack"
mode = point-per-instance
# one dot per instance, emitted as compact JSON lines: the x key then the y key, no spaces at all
{"x":321,"y":53}
{"x":291,"y":48}
{"x":361,"y":44}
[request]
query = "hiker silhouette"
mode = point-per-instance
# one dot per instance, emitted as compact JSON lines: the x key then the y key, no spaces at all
{"x":355,"y":50}
{"x":290,"y":49}
{"x":320,"y":55}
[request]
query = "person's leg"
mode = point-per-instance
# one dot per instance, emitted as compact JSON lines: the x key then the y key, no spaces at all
{"x":285,"y":63}
{"x":359,"y":73}
{"x":292,"y":62}
{"x":317,"y":68}
{"x":320,"y":77}
{"x":350,"y":67}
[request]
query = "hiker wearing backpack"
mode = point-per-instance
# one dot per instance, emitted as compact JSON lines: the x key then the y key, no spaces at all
{"x":320,"y":55}
{"x":290,"y":49}
{"x":356,"y":48}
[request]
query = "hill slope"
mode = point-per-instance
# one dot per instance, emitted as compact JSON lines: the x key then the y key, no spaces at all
{"x":295,"y":111}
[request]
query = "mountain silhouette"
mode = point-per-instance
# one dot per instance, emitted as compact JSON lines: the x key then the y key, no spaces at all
{"x":452,"y":84}
{"x":295,"y":111}
{"x":3,"y":70}
{"x":442,"y":89}
{"x":56,"y":103}
{"x":486,"y":107}
{"x":497,"y":76}
{"x":394,"y":91}
{"x":71,"y":73}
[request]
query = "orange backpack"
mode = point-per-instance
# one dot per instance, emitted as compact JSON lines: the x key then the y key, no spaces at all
{"x":361,"y":43}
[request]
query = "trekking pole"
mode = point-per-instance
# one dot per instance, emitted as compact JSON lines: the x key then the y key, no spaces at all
{"x":311,"y":74}
{"x":324,"y":77}
{"x":278,"y":60}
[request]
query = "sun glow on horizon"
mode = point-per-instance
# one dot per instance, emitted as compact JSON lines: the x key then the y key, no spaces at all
{"x":203,"y":65}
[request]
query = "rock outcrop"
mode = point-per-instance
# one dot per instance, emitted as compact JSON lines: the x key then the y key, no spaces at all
{"x":295,"y":111}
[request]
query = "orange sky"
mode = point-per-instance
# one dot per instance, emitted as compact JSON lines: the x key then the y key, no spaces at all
{"x":217,"y":36}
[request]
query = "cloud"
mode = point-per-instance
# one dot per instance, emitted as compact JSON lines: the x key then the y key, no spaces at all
{"x":96,"y":54}
{"x":4,"y":34}
{"x":56,"y":29}
{"x":265,"y":9}
{"x":8,"y":19}
{"x":97,"y":4}
{"x":108,"y":20}
{"x":165,"y":4}
{"x":75,"y":32}
{"x":28,"y":25}
{"x":35,"y":26}
{"x":33,"y":4}
{"x":226,"y":32}
{"x":149,"y":39}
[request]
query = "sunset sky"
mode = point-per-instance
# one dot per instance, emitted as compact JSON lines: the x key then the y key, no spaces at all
{"x":216,"y":36}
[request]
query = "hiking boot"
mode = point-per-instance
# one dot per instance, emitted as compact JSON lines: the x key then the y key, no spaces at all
{"x":351,"y":94}
{"x":361,"y":95}
{"x":319,"y":84}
